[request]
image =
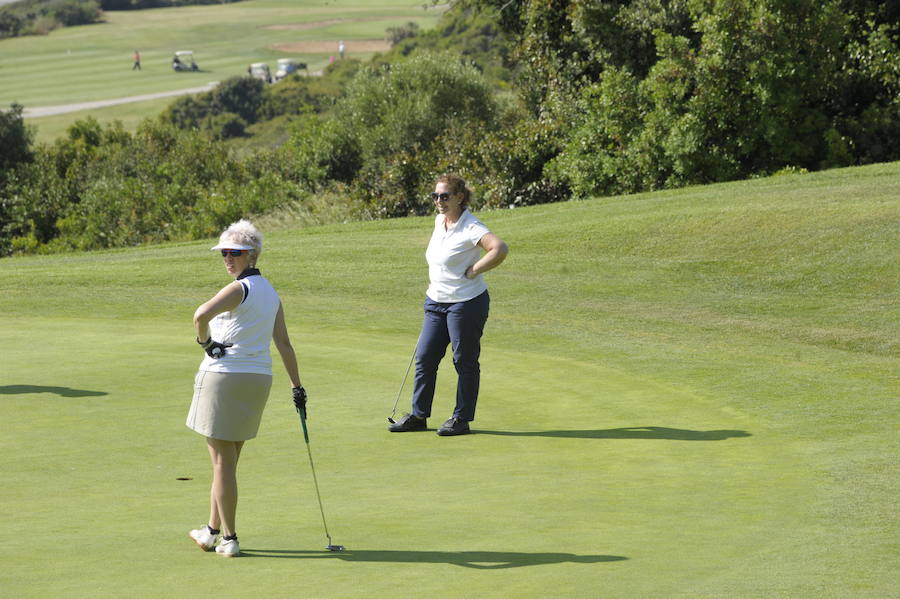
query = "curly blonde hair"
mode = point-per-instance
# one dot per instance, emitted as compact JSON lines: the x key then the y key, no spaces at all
{"x":457,"y":185}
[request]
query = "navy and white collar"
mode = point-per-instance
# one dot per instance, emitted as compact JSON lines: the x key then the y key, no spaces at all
{"x":249,"y":272}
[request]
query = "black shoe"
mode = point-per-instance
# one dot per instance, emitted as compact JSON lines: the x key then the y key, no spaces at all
{"x":408,"y":423}
{"x":454,"y":426}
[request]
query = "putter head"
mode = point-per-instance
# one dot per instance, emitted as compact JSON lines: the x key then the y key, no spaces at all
{"x":335,"y":547}
{"x":391,"y":420}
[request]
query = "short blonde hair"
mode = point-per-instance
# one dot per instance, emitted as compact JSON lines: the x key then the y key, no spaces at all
{"x":244,"y":233}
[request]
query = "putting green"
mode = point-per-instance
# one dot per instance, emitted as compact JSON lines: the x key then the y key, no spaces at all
{"x":668,"y":409}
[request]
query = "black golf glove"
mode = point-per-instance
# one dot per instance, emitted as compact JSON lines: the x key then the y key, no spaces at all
{"x":214,"y":349}
{"x":300,"y":399}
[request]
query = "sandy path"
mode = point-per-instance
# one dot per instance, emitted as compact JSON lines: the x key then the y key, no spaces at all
{"x":64,"y":108}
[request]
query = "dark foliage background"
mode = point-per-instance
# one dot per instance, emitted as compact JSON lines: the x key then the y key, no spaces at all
{"x":532,"y":101}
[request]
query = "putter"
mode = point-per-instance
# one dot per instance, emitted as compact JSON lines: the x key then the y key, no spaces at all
{"x":396,"y":401}
{"x":331,"y":546}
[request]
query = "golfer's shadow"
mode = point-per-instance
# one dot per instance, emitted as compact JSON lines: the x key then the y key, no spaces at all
{"x":61,"y":391}
{"x":482,"y":560}
{"x":632,"y":432}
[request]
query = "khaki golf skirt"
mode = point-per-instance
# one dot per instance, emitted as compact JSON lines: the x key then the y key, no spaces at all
{"x":228,"y":405}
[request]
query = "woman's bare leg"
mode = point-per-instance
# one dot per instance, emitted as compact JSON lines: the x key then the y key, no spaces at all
{"x":223,"y":494}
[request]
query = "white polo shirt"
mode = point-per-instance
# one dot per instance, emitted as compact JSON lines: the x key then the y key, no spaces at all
{"x":450,"y":253}
{"x":249,"y":327}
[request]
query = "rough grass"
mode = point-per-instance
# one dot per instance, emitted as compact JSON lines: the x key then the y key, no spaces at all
{"x":685,"y":394}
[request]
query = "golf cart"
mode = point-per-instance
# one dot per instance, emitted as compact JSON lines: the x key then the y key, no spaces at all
{"x":260,"y":70}
{"x":184,"y":61}
{"x":286,"y":66}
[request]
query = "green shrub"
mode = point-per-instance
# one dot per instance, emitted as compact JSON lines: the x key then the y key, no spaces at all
{"x":597,"y":158}
{"x":225,"y":125}
{"x":242,"y":96}
{"x":102,"y":187}
{"x":36,"y":196}
{"x":506,"y":166}
{"x":298,"y":94}
{"x":11,"y":24}
{"x":321,"y":151}
{"x":394,"y":117}
{"x":77,"y":12}
{"x":15,"y":139}
{"x":397,"y":34}
{"x":186,"y":112}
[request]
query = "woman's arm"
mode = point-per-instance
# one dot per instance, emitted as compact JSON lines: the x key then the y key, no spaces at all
{"x":285,"y":349}
{"x":495,"y":253}
{"x":227,"y":299}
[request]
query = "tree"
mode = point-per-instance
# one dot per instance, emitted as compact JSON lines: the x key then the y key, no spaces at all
{"x":384,"y":137}
{"x":15,"y":139}
{"x":725,"y":88}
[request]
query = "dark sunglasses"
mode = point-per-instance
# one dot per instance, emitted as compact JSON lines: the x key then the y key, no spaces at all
{"x":232,"y":252}
{"x":440,"y":196}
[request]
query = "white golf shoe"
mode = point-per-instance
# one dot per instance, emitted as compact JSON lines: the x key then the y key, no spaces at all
{"x":204,"y":539}
{"x":229,"y":548}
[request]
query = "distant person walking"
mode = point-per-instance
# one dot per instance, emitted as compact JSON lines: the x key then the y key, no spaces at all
{"x":341,"y":49}
{"x":137,"y":60}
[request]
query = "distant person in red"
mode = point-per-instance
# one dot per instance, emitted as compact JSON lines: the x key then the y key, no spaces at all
{"x":137,"y":60}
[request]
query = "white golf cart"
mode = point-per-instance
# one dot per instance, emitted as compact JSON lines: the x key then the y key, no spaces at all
{"x":286,"y":66}
{"x":260,"y":70}
{"x":184,"y":61}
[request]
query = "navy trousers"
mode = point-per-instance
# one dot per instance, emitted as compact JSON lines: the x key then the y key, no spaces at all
{"x":460,"y":325}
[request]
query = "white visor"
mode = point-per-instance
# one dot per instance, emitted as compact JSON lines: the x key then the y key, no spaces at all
{"x":231,"y":245}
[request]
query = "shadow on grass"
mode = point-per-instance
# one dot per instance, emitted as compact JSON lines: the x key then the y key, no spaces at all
{"x":483,"y":560}
{"x":632,"y":432}
{"x":61,"y":391}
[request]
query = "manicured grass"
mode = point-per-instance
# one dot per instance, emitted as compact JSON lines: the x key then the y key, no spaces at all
{"x":685,"y":394}
{"x":81,"y":64}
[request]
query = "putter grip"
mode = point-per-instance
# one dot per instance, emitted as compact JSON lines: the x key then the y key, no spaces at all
{"x":303,"y":424}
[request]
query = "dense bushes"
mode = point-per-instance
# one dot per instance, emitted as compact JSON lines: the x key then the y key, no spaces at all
{"x":469,"y":30}
{"x":397,"y":34}
{"x":531,"y":101}
{"x":103,"y":187}
{"x":708,"y":90}
{"x":30,"y":17}
{"x":621,"y":97}
{"x":77,"y":12}
{"x":227,"y":110}
{"x":15,"y":139}
{"x":387,"y":137}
